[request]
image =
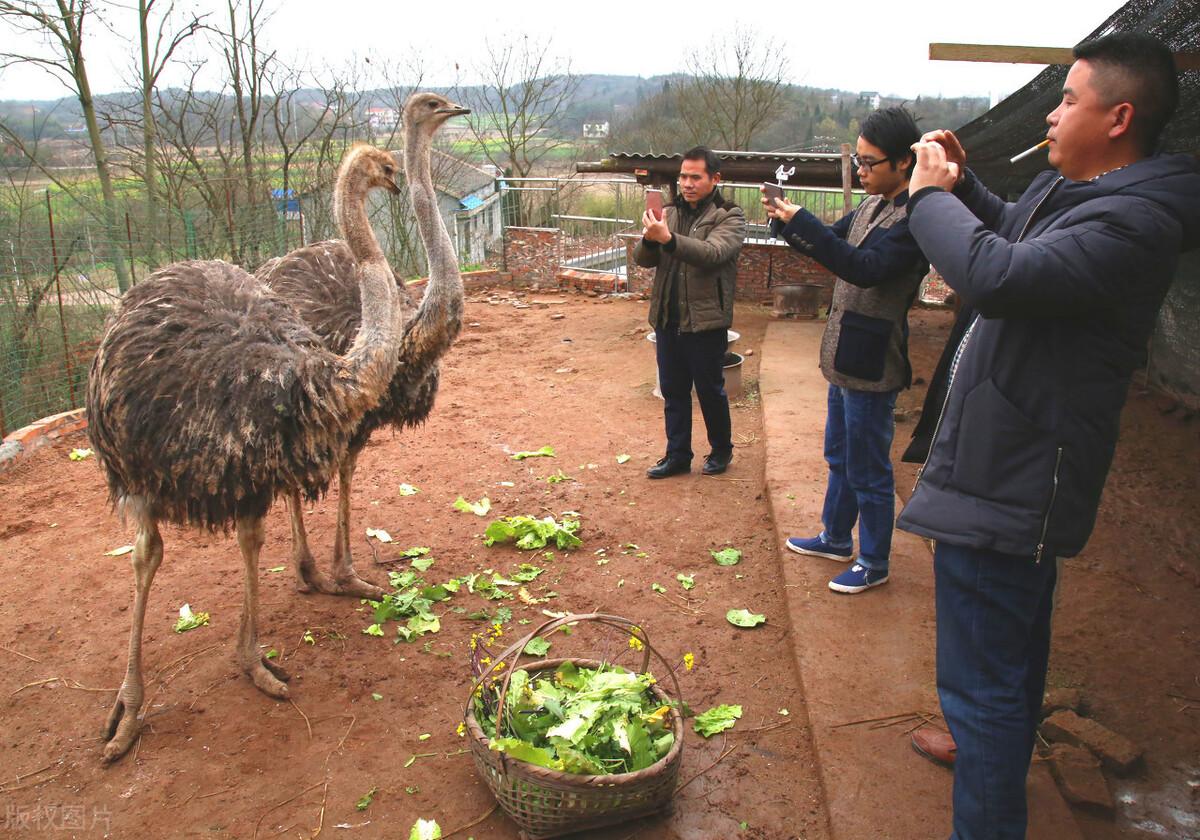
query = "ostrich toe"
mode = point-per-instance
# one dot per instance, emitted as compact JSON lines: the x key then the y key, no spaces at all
{"x":121,"y":730}
{"x":312,"y":580}
{"x":268,"y":677}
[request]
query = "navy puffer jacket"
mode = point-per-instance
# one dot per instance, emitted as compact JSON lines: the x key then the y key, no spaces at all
{"x":1067,"y":283}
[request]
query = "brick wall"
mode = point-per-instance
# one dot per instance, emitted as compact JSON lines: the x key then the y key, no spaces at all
{"x":762,"y":265}
{"x":531,"y":255}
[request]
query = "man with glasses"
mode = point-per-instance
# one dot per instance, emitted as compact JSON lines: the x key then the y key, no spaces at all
{"x":864,"y":351}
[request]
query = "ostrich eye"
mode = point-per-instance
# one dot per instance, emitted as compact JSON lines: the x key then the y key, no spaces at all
{"x":387,"y":169}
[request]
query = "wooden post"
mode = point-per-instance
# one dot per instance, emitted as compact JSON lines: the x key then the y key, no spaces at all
{"x":129,"y":242}
{"x":846,"y":181}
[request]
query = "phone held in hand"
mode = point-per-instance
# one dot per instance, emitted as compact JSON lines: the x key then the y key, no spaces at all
{"x":772,"y":192}
{"x":654,"y":203}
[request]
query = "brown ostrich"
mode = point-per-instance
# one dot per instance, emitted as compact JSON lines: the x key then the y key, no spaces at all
{"x":209,"y":396}
{"x":318,"y":282}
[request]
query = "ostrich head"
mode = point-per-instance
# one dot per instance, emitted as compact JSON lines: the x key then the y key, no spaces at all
{"x":370,"y":168}
{"x":425,"y":112}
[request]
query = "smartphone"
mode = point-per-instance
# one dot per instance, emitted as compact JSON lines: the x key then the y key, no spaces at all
{"x":654,"y":203}
{"x":772,"y":192}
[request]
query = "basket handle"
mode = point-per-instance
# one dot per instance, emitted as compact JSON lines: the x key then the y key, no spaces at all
{"x":545,"y":628}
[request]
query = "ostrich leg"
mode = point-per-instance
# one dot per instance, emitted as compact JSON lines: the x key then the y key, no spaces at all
{"x":345,"y":578}
{"x":265,"y":673}
{"x":123,"y":726}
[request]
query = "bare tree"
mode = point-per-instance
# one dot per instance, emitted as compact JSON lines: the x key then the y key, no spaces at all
{"x":735,"y":88}
{"x":520,"y":104}
{"x":61,"y":26}
{"x":154,"y":56}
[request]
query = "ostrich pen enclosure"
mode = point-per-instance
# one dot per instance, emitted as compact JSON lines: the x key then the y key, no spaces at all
{"x":368,"y":742}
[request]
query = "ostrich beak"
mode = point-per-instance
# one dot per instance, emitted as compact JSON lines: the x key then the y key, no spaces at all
{"x":453,"y":110}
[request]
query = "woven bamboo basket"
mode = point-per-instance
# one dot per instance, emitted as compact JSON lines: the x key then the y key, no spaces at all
{"x":547,"y":803}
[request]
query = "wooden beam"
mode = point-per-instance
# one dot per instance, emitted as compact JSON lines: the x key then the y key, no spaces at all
{"x":999,"y":54}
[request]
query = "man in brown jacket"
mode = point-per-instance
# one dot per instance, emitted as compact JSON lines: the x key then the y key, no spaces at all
{"x":694,"y":249}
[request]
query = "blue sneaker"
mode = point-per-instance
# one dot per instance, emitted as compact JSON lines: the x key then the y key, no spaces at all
{"x":817,"y":547}
{"x":857,"y":578}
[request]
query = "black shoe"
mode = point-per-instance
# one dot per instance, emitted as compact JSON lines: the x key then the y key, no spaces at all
{"x":668,"y":467}
{"x":716,"y":464}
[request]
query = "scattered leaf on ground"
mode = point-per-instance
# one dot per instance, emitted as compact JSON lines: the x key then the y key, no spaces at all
{"x":408,"y":490}
{"x":425,"y":830}
{"x":784,"y":712}
{"x":544,"y":452}
{"x":622,"y":458}
{"x":537,"y":647}
{"x":424,"y":736}
{"x":373,"y":630}
{"x":658,"y":587}
{"x":276,"y":568}
{"x":272,"y":654}
{"x":558,"y":478}
{"x":686,"y":581}
{"x":189,"y":620}
{"x":379,"y":534}
{"x":415,"y":551}
{"x":744,"y":618}
{"x":376,"y":696}
{"x":717,"y":719}
{"x":80,"y":454}
{"x":479,"y":508}
{"x":727,"y":556}
{"x":117,"y":552}
{"x":365,"y":801}
{"x":422,"y":564}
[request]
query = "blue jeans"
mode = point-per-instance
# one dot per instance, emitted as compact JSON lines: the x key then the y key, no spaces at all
{"x":858,"y":441}
{"x":993,"y":647}
{"x":686,"y":360}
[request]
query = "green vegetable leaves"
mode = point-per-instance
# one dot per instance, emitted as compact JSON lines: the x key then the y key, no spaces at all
{"x":727,"y":556}
{"x":425,"y":830}
{"x":531,"y":533}
{"x":537,"y":647}
{"x":80,"y":454}
{"x":479,"y":508}
{"x":189,"y":620}
{"x":744,"y":618}
{"x":544,"y":452}
{"x":686,"y":581}
{"x":365,"y":801}
{"x":717,"y":719}
{"x":379,"y":534}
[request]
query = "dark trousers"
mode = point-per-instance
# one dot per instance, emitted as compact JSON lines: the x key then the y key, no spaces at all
{"x":993,"y":648}
{"x":687,"y":360}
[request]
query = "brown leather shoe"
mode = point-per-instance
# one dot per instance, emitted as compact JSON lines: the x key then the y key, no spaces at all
{"x":935,"y":745}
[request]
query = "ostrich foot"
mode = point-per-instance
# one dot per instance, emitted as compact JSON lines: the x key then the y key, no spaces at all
{"x":312,"y":580}
{"x":121,"y":730}
{"x":267,"y":676}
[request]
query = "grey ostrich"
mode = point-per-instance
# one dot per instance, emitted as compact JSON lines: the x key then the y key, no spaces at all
{"x":318,"y":282}
{"x":209,"y":396}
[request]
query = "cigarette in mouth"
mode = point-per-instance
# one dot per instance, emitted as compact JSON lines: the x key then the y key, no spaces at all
{"x":1030,"y":151}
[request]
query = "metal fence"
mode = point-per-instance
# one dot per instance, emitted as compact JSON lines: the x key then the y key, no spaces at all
{"x":592,"y":214}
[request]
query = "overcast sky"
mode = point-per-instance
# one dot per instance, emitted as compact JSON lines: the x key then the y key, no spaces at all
{"x":864,"y":45}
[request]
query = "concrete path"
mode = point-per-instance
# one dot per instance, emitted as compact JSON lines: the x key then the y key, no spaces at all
{"x":866,"y":656}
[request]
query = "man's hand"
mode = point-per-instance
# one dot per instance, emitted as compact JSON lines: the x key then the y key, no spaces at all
{"x":954,"y":150}
{"x":654,"y":229}
{"x":933,"y":169}
{"x":780,"y":208}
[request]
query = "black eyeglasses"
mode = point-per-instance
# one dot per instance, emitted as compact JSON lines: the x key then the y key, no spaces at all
{"x":862,"y":163}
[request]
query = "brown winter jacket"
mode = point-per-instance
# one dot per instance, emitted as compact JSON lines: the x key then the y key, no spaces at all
{"x":706,"y":259}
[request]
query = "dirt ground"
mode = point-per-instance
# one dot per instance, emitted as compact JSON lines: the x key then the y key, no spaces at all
{"x":220,"y":760}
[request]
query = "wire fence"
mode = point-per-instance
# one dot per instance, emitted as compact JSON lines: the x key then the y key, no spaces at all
{"x":63,"y":263}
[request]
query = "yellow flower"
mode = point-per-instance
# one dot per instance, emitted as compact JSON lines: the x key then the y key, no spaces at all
{"x":636,"y":643}
{"x":487,"y":660}
{"x":462,"y":729}
{"x":689,"y":661}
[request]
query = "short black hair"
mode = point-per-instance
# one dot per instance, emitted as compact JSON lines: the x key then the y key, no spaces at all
{"x":1139,"y":69}
{"x":712,"y":163}
{"x":894,"y":130}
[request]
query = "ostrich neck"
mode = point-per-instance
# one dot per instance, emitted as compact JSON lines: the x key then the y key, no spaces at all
{"x":436,"y":323}
{"x":372,"y":358}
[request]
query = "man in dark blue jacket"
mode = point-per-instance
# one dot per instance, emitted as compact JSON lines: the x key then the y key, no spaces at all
{"x":1066,"y":284}
{"x":864,"y":350}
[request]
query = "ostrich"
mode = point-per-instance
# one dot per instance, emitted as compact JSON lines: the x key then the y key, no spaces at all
{"x":209,"y":396}
{"x":318,"y":282}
